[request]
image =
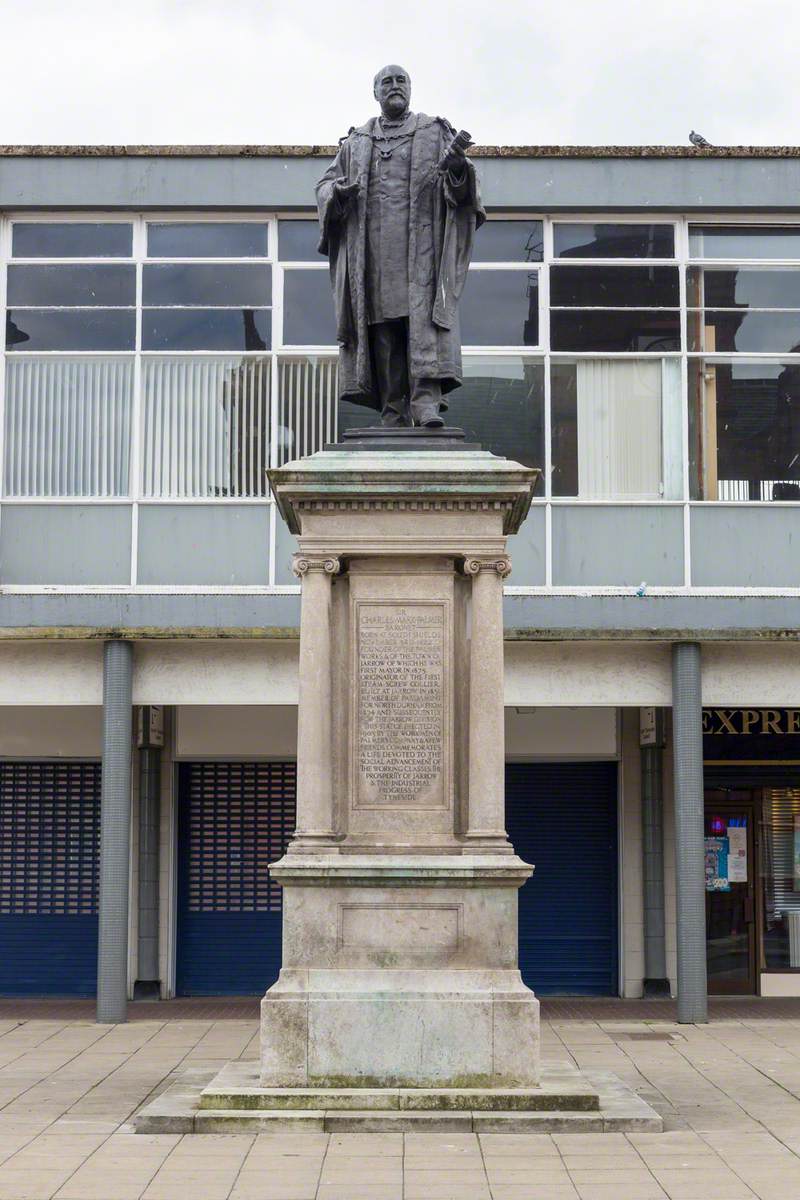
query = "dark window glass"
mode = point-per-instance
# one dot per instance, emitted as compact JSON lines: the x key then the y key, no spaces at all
{"x":298,"y":241}
{"x":500,"y":405}
{"x":207,"y":239}
{"x":65,"y":286}
{"x":744,"y":431}
{"x":779,"y":825}
{"x":626,"y":329}
{"x":508,"y":241}
{"x":205,"y":329}
{"x":564,"y":429}
{"x":71,"y":329}
{"x":69,"y":239}
{"x":308,"y":316}
{"x":750,"y":287}
{"x":613,"y":241}
{"x":744,"y":241}
{"x":245,"y":285}
{"x":753,"y":332}
{"x":615,"y":287}
{"x":500,"y":308}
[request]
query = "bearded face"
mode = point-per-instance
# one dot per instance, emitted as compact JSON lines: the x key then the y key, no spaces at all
{"x":393,"y":90}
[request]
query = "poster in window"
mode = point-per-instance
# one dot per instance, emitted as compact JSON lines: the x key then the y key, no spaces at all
{"x":737,"y":854}
{"x":716,"y":854}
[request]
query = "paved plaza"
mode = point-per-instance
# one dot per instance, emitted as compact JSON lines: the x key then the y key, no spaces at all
{"x":729,"y":1093}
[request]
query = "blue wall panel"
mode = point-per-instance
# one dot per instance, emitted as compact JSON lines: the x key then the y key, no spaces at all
{"x":562,"y":817}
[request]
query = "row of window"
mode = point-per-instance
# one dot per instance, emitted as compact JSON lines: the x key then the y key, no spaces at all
{"x":209,"y":426}
{"x":220,"y":303}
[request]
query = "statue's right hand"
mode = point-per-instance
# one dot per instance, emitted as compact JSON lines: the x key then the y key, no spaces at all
{"x":345,"y":192}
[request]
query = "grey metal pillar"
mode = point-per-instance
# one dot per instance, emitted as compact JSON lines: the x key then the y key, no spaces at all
{"x":115,"y":821}
{"x":147,"y":981}
{"x":687,"y":742}
{"x":656,"y":982}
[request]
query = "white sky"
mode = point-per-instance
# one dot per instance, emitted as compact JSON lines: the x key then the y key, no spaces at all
{"x":509,"y":71}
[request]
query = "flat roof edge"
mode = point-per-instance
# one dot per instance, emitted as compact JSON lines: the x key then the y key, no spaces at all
{"x":322,"y":151}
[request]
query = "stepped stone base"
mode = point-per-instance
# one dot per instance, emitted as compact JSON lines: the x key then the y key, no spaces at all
{"x":567,"y":1100}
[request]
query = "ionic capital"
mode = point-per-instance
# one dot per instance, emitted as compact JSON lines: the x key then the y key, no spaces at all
{"x":473,"y":564}
{"x":302,"y":564}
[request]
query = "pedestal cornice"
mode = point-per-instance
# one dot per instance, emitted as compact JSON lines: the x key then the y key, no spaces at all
{"x":480,"y":870}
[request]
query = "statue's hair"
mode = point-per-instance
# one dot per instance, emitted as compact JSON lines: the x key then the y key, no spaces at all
{"x":381,"y":71}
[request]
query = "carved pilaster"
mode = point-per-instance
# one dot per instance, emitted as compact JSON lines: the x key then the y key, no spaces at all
{"x":486,"y":811}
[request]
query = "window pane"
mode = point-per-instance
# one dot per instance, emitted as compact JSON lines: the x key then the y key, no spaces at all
{"x":74,"y":285}
{"x":500,"y":308}
{"x":508,"y":241}
{"x":616,"y":429}
{"x":307,"y":406}
{"x":745,"y":331}
{"x":207,"y":239}
{"x":613,"y":241}
{"x":744,"y":241}
{"x":71,"y":329}
{"x":615,"y":287}
{"x":71,"y":239}
{"x":308,"y":316}
{"x":501,"y":406}
{"x":244,"y":285}
{"x":780,"y":876}
{"x":631,"y":330}
{"x":206,"y":426}
{"x":298,"y":241}
{"x":67,"y":426}
{"x":744,"y":431}
{"x":748,"y":287}
{"x":205,"y":329}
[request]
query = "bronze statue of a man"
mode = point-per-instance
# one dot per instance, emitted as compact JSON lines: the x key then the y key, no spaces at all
{"x":398,"y":209}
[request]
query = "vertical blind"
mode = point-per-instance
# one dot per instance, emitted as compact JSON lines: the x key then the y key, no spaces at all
{"x":619,"y":429}
{"x":205,"y":427}
{"x":306,"y":406}
{"x":67,"y":426}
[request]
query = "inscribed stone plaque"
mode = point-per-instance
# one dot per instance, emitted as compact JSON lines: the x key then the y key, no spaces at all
{"x":400,"y":720}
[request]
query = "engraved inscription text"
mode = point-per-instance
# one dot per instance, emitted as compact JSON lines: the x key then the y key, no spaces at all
{"x":401,"y":697}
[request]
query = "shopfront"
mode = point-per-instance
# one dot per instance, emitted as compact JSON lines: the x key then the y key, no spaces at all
{"x":752,"y":850}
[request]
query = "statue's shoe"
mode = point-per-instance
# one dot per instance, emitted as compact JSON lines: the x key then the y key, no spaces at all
{"x":429,"y":417}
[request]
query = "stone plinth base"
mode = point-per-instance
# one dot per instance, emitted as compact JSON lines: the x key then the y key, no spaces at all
{"x":400,"y":971}
{"x":567,"y":1100}
{"x":399,"y":1028}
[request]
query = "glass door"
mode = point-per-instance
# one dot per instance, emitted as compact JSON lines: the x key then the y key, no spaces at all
{"x":730,"y":890}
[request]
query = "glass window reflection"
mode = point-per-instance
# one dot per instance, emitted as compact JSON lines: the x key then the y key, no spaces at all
{"x":70,"y":329}
{"x":615,"y":287}
{"x":308,"y":316}
{"x":71,"y":239}
{"x":94,"y":285}
{"x":500,"y":308}
{"x":748,"y":332}
{"x":744,"y":241}
{"x":744,"y":430}
{"x":743,"y":287}
{"x":509,"y":241}
{"x":243,"y":285}
{"x":616,"y":330}
{"x":206,"y":329}
{"x":298,"y":241}
{"x":579,"y":240}
{"x":207,"y":239}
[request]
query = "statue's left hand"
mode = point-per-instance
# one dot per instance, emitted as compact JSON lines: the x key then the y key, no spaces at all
{"x":454,"y":159}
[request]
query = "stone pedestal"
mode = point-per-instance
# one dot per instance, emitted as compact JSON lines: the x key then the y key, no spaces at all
{"x":400,"y":886}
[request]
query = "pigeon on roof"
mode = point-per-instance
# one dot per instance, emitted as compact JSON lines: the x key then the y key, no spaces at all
{"x":698,"y":140}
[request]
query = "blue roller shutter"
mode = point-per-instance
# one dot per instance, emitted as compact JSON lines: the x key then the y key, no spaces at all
{"x":49,"y":859}
{"x":562,"y":817}
{"x":234,"y":820}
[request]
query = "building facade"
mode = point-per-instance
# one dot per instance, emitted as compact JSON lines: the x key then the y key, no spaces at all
{"x":631,"y":325}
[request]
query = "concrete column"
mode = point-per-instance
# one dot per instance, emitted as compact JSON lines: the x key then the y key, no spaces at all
{"x":656,"y":982}
{"x":147,"y":975}
{"x":486,"y":819}
{"x":315,"y":818}
{"x":687,"y":745}
{"x":115,"y":827}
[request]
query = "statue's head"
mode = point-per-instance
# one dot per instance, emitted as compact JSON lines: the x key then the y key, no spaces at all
{"x":392,"y":90}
